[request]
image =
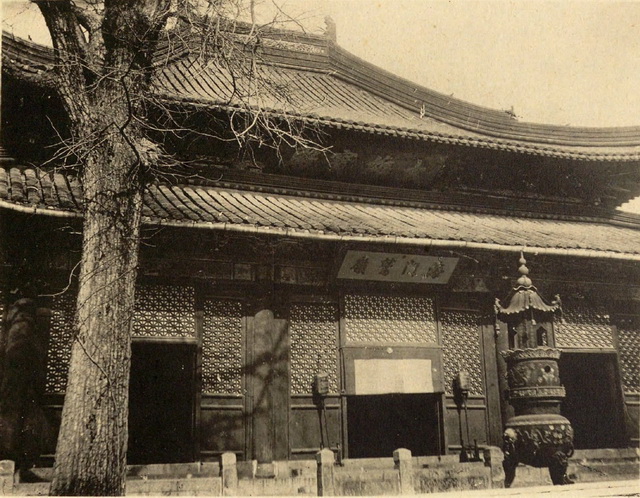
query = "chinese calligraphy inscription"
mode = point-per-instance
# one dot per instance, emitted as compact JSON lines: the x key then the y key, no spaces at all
{"x":368,"y":265}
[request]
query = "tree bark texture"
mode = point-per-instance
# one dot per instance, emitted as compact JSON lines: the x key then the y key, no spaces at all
{"x":92,"y":443}
{"x":104,"y":54}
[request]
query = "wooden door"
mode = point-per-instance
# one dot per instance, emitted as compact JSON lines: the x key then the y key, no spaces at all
{"x":161,"y":403}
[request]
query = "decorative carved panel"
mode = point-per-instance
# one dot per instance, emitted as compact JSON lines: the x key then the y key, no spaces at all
{"x":287,"y":45}
{"x":461,"y":349}
{"x":389,"y":319}
{"x":583,"y":326}
{"x":60,"y":341}
{"x":629,"y":340}
{"x":222,"y":346}
{"x":314,"y":348}
{"x":164,"y":311}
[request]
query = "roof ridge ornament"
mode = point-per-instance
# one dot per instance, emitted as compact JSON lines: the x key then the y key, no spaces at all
{"x":330,"y":31}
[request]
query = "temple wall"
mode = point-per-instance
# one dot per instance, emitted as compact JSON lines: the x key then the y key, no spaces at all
{"x":318,"y":326}
{"x":261,"y":330}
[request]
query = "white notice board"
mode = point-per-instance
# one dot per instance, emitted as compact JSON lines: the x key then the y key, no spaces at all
{"x":388,"y":376}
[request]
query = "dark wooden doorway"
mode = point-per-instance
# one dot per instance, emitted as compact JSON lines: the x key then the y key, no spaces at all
{"x":379,"y":424}
{"x":161,"y":403}
{"x":593,"y":404}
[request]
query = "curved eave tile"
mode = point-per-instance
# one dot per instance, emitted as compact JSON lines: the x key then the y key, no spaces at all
{"x":59,"y":194}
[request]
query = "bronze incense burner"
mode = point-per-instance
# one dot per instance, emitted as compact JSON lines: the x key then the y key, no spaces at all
{"x":537,"y":435}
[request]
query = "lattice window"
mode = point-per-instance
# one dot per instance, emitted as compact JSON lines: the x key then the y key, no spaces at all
{"x":461,"y":349}
{"x":314,"y":348}
{"x":164,"y":311}
{"x":583,"y":326}
{"x":629,"y":340}
{"x":222,"y":346}
{"x":60,"y":340}
{"x":389,"y":319}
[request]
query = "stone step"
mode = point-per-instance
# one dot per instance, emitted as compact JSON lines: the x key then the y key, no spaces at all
{"x":298,"y":477}
{"x":368,"y":463}
{"x":305,"y":486}
{"x":154,"y":471}
{"x":144,"y":487}
{"x":435,"y":461}
{"x":204,"y":486}
{"x":580,"y":471}
{"x":174,"y":470}
{"x":607,"y":454}
{"x":385,"y":463}
{"x":590,"y":471}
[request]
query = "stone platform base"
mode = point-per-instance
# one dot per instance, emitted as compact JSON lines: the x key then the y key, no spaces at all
{"x":404,"y":475}
{"x":588,"y":466}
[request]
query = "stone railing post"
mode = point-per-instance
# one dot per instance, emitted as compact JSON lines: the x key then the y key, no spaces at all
{"x":402,"y":460}
{"x":229,"y":474}
{"x":326,"y":461}
{"x":7,"y":471}
{"x":493,"y":458}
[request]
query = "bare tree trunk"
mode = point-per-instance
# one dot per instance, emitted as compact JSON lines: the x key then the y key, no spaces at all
{"x":92,"y":444}
{"x":104,"y":65}
{"x":104,"y":52}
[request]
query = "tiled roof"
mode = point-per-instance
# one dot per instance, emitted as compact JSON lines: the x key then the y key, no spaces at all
{"x":326,"y":97}
{"x":211,"y":207}
{"x":317,"y":82}
{"x":311,"y":94}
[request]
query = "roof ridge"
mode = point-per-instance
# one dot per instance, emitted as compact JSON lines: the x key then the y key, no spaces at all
{"x":453,"y":110}
{"x":472,"y":124}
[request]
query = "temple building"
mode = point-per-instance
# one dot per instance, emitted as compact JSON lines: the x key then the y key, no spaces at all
{"x":301,"y":299}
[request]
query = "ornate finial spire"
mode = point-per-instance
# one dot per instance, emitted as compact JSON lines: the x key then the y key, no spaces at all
{"x":524,"y":280}
{"x":525,"y":296}
{"x":330,"y":30}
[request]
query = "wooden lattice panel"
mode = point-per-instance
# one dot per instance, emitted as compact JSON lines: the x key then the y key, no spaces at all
{"x":314,"y":347}
{"x":583,"y":326}
{"x":164,"y":311}
{"x":61,"y":335}
{"x":461,"y":349}
{"x":222,"y":346}
{"x":390,"y":319}
{"x":629,"y":340}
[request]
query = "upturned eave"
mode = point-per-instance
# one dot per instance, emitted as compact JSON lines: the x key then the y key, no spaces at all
{"x":354,"y":94}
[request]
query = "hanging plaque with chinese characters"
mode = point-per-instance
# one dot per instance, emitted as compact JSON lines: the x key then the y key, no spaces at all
{"x":392,"y":267}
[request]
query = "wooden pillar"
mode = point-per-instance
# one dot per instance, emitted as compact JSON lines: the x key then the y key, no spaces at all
{"x":492,"y":385}
{"x":502,"y":344}
{"x":269,"y":384}
{"x":280,"y":387}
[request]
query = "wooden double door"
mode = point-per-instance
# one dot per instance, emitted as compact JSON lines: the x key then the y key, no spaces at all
{"x":162,"y":403}
{"x":593,"y":402}
{"x":380,"y":424}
